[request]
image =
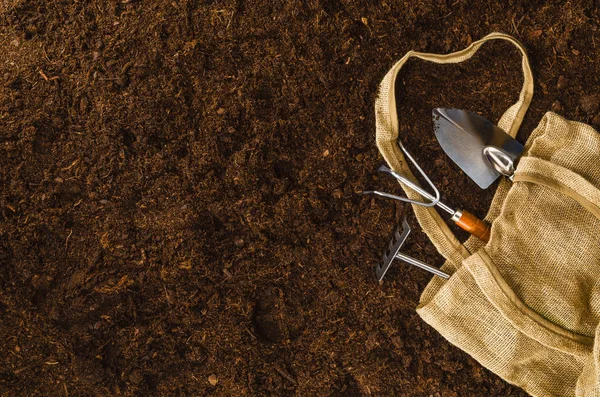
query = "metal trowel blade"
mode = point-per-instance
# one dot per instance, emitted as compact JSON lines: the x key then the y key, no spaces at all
{"x":463,"y":136}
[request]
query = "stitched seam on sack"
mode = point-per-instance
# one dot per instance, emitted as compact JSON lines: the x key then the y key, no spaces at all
{"x":528,"y":313}
{"x":567,"y":191}
{"x":560,"y":187}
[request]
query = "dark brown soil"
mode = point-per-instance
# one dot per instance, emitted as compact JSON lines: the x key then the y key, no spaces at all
{"x":178,"y":212}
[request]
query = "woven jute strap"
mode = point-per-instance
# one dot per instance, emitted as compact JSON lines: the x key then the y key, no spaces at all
{"x":388,"y":134}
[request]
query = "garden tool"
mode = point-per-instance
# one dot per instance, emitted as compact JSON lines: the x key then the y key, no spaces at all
{"x":464,"y":219}
{"x":393,"y":252}
{"x":481,"y":149}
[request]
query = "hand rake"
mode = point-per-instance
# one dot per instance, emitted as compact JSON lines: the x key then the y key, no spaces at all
{"x":393,"y":252}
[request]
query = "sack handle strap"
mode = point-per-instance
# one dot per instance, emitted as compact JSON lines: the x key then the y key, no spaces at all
{"x":388,"y":133}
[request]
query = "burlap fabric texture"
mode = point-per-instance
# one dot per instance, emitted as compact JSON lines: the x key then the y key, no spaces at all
{"x":526,"y":305}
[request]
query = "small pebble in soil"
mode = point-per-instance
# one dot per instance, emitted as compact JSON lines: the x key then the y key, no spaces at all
{"x":596,"y":120}
{"x":590,"y":103}
{"x":556,"y":106}
{"x":563,"y":83}
{"x":213,"y":380}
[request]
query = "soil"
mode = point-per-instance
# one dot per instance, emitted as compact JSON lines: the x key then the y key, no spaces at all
{"x":179,"y":211}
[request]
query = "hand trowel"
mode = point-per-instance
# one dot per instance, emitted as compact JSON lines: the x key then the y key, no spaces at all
{"x":481,"y":149}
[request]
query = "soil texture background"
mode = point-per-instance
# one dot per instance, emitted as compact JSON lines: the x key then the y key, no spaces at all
{"x":178,"y":206}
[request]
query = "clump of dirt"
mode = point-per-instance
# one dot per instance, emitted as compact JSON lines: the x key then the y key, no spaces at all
{"x":179,"y":211}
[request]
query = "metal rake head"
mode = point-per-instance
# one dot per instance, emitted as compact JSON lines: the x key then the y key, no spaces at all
{"x":393,"y":252}
{"x":396,"y":243}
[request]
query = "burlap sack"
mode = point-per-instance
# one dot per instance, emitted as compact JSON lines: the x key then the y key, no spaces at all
{"x":527,"y":304}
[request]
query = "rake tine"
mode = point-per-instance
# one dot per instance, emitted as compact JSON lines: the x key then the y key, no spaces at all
{"x":393,"y":252}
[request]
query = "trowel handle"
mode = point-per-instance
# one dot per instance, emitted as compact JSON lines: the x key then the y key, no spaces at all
{"x":470,"y":223}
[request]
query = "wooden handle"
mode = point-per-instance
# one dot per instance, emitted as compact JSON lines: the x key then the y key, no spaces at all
{"x":474,"y":225}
